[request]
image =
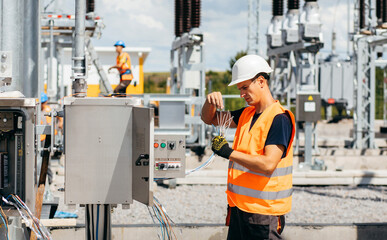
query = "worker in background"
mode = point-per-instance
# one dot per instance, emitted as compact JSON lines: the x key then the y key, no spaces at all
{"x":45,"y":120}
{"x":259,"y":184}
{"x":124,"y":67}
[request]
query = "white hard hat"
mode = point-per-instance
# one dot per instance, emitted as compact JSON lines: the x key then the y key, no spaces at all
{"x":248,"y":67}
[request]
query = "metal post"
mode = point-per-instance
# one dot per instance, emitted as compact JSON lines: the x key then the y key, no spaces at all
{"x":79,"y":57}
{"x":372,"y":99}
{"x":12,"y":40}
{"x":62,"y":92}
{"x":308,"y":144}
{"x":50,"y":65}
{"x":385,"y":97}
{"x":31,"y":48}
{"x":348,"y":24}
{"x":97,"y":219}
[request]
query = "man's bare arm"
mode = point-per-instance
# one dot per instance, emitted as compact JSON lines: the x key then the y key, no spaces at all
{"x":209,"y":113}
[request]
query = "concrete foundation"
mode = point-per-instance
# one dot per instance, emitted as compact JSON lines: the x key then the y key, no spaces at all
{"x":373,"y":231}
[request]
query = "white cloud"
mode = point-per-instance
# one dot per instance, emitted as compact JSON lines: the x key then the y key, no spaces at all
{"x":150,"y":23}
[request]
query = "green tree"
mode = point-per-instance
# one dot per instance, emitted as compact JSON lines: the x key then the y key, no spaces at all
{"x":220,"y":80}
{"x":235,"y":58}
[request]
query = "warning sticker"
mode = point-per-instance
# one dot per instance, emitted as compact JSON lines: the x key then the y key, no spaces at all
{"x":309,"y":106}
{"x":310,"y":98}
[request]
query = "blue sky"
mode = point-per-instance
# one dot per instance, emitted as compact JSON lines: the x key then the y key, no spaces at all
{"x":150,"y":23}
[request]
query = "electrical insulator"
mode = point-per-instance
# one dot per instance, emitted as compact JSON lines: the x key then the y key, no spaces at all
{"x":195,"y":13}
{"x":361,"y":14}
{"x":186,"y":16}
{"x":90,"y":5}
{"x":379,"y":9}
{"x":178,"y":17}
{"x":293,"y":4}
{"x":290,"y":31}
{"x":274,"y":31}
{"x":310,"y":23}
{"x":278,"y":7}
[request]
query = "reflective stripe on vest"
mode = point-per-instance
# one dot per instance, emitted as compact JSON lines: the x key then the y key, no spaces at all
{"x":278,"y":172}
{"x":259,"y":194}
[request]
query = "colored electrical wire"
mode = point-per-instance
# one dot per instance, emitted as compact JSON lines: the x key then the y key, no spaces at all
{"x":33,"y":226}
{"x":39,"y":230}
{"x":167,"y":218}
{"x":166,"y":223}
{"x":153,"y":219}
{"x":96,"y":229}
{"x":204,"y":165}
{"x":5,"y":221}
{"x":224,"y":120}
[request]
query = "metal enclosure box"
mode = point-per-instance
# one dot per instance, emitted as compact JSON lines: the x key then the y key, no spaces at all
{"x":104,"y":138}
{"x":308,"y":107}
{"x":336,"y":81}
{"x":171,"y":114}
{"x":169,"y":153}
{"x":17,"y":148}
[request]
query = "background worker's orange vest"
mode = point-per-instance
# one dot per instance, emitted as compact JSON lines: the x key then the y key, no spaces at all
{"x":123,"y":60}
{"x":256,"y":192}
{"x":45,"y":120}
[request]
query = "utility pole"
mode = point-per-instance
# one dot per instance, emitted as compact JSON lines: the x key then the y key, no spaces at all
{"x":79,"y":56}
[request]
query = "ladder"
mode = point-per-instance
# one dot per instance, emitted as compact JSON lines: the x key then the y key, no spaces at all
{"x":105,"y":86}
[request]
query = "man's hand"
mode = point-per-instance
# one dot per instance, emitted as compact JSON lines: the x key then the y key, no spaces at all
{"x":220,"y":147}
{"x":215,"y":98}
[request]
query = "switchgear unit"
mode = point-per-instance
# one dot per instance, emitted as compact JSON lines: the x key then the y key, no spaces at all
{"x":169,"y":152}
{"x":17,"y":157}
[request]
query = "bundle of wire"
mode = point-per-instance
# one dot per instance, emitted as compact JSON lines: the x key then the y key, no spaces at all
{"x":166,"y":223}
{"x":224,"y":120}
{"x":5,"y":221}
{"x":40,"y":231}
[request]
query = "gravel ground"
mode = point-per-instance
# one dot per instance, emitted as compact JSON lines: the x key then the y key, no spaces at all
{"x":207,"y":204}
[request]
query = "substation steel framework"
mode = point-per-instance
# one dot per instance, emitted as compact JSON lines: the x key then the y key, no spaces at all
{"x":364,"y":86}
{"x":366,"y":42}
{"x":253,"y":27}
{"x":57,"y":34}
{"x":289,"y":63}
{"x":188,"y":78}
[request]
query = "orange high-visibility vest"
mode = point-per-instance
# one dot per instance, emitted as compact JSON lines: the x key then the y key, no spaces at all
{"x":256,"y":192}
{"x":123,"y":60}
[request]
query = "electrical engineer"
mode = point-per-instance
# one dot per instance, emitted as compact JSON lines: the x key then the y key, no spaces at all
{"x":259,"y":184}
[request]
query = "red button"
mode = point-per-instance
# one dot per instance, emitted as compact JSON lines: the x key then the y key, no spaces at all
{"x":156,"y":145}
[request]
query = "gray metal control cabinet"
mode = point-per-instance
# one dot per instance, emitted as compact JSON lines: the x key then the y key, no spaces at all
{"x":108,"y":150}
{"x":169,"y":156}
{"x":17,"y":148}
{"x":308,"y":107}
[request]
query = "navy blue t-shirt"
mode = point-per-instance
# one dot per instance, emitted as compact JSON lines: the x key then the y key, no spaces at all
{"x":280,"y":131}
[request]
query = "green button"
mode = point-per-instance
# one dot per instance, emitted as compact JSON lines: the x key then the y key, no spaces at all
{"x":163,"y":145}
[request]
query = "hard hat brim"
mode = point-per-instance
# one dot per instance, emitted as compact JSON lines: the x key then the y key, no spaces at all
{"x":244,"y":79}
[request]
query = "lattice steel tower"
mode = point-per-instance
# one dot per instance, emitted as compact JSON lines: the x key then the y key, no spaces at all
{"x":253,"y":27}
